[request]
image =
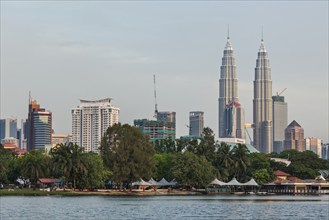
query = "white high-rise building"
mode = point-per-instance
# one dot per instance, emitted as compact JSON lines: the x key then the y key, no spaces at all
{"x":90,"y":121}
{"x":230,"y":112}
{"x":263,"y":109}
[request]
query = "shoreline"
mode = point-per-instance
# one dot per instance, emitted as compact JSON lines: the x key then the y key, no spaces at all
{"x":38,"y":192}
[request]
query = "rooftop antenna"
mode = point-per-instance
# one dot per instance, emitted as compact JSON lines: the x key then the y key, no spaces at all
{"x":30,"y":99}
{"x":155,"y":99}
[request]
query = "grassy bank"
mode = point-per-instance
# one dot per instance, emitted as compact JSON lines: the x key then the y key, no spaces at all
{"x":37,"y":192}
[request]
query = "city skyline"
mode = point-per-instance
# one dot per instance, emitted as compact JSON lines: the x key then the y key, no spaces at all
{"x":112,"y":49}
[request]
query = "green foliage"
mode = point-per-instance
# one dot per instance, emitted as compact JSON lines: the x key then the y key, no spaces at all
{"x":207,"y":146}
{"x":165,"y":146}
{"x":164,"y":164}
{"x":6,"y":159}
{"x":262,"y":176}
{"x":96,"y":174}
{"x":223,"y":161}
{"x":241,"y":161}
{"x":192,"y":170}
{"x":34,"y":165}
{"x":127,"y":153}
{"x":67,"y":161}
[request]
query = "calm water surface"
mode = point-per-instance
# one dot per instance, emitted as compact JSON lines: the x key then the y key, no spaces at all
{"x":165,"y":207}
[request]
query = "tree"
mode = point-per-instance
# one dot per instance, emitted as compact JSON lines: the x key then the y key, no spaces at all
{"x":34,"y":165}
{"x":165,"y":146}
{"x":67,"y":160}
{"x":262,"y":176}
{"x":127,"y":153}
{"x":96,"y":174}
{"x":223,"y":161}
{"x":241,"y":161}
{"x":6,"y":161}
{"x":260,"y":161}
{"x":164,"y":163}
{"x":192,"y":170}
{"x":207,"y":147}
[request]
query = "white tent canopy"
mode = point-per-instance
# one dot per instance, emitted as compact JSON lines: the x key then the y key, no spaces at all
{"x":164,"y":182}
{"x":141,"y":182}
{"x":153,"y":182}
{"x":217,"y":182}
{"x":251,"y":182}
{"x":234,"y":182}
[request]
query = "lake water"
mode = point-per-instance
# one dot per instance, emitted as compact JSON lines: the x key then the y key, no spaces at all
{"x":165,"y":207}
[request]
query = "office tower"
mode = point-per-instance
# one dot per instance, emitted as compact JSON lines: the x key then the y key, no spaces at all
{"x":280,"y":122}
{"x":230,"y":112}
{"x":196,"y":124}
{"x":156,"y":130}
{"x":91,"y":120}
{"x":8,"y":128}
{"x":315,"y":145}
{"x":294,"y":137}
{"x":262,"y":103}
{"x":39,"y":125}
{"x":325,"y":151}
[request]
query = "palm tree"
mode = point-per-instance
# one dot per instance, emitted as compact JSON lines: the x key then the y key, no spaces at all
{"x":241,"y":161}
{"x":224,"y":160}
{"x":67,"y":160}
{"x":34,"y":165}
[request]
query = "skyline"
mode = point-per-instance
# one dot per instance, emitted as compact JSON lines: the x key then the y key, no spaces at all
{"x":114,"y":49}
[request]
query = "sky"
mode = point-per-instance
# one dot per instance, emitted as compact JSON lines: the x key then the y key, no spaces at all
{"x":66,"y":51}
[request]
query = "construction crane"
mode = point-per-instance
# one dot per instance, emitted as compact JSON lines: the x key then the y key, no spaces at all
{"x":189,"y":129}
{"x":155,"y":99}
{"x":278,"y":94}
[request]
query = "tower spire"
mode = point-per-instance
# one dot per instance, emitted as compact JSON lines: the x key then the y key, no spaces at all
{"x":262,"y":34}
{"x":228,"y":32}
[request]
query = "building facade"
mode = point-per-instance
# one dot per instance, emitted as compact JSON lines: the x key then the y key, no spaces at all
{"x":39,"y":125}
{"x":8,"y":128}
{"x":196,"y":123}
{"x":262,"y":103}
{"x":156,"y":130}
{"x":230,"y":112}
{"x":314,"y":144}
{"x":280,"y":122}
{"x":294,"y":137}
{"x":90,"y":120}
{"x":325,"y":151}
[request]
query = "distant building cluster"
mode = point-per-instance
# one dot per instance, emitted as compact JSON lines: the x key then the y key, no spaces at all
{"x":91,"y":119}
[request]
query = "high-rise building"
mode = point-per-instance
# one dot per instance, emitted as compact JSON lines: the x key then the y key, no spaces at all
{"x":39,"y":124}
{"x":230,"y":112}
{"x":196,"y":123}
{"x":280,"y":122}
{"x":294,"y":137}
{"x":314,"y":144}
{"x":8,"y":128}
{"x":325,"y":151}
{"x":156,"y":130}
{"x":262,"y":103}
{"x":91,"y":120}
{"x":166,"y":116}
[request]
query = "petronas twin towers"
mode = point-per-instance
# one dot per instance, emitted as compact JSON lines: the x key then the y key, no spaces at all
{"x":231,"y":114}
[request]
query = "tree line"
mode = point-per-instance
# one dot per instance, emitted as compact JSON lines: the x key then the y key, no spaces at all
{"x":126,"y":155}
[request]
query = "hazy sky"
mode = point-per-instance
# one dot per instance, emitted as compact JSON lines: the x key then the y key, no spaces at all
{"x":66,"y":51}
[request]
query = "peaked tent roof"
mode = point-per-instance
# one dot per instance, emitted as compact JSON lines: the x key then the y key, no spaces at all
{"x":153,"y":182}
{"x":251,"y":182}
{"x":234,"y":182}
{"x":164,"y":182}
{"x":217,"y":182}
